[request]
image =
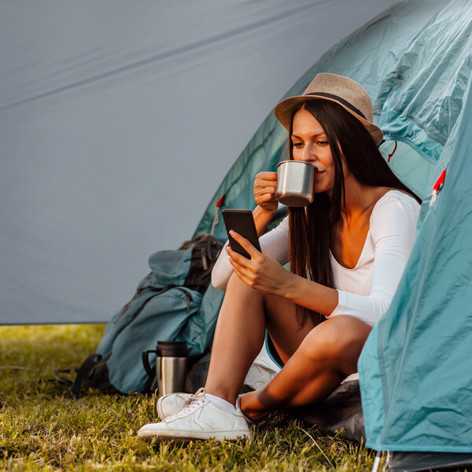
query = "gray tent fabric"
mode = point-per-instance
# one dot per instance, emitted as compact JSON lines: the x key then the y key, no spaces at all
{"x":118,"y":120}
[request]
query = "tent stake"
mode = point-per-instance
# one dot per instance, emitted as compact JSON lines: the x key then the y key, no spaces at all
{"x":378,"y":456}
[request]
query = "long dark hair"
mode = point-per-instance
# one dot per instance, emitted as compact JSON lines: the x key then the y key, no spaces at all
{"x":311,"y":227}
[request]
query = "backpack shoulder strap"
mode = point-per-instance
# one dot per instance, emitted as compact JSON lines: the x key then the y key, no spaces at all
{"x":83,"y":372}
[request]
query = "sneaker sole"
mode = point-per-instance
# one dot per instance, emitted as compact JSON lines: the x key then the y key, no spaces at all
{"x":191,"y":435}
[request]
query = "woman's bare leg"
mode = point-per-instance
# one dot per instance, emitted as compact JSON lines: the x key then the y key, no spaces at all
{"x":239,"y":335}
{"x":240,"y":332}
{"x":328,"y":354}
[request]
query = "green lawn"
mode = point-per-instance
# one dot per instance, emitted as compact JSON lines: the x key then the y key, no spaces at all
{"x":43,"y":428}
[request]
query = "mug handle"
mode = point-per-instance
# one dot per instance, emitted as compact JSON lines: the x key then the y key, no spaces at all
{"x":147,"y":367}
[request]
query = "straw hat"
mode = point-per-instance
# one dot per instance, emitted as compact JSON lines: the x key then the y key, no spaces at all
{"x":335,"y":88}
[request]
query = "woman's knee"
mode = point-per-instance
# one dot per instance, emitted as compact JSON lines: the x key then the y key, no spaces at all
{"x":338,"y":340}
{"x":237,"y":288}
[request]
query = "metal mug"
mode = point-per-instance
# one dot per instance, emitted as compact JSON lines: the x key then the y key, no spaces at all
{"x":295,"y":183}
{"x":171,"y":366}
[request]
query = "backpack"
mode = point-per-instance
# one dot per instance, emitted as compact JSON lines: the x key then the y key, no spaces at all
{"x":162,"y":309}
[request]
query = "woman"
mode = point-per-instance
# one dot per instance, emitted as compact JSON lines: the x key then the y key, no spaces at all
{"x":347,"y":251}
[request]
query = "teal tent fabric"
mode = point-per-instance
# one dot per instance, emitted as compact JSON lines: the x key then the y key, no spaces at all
{"x":415,"y":62}
{"x":415,"y":374}
{"x":371,"y":56}
{"x":262,"y":153}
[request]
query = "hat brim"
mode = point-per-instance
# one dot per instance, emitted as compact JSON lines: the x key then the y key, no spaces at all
{"x":283,"y":112}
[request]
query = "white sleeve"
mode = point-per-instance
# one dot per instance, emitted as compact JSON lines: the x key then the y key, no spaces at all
{"x":393,"y":229}
{"x":275,"y":243}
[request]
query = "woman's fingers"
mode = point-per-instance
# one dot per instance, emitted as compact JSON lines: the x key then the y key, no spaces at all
{"x":252,"y":251}
{"x":265,"y":182}
{"x":266,"y":197}
{"x":261,"y":272}
{"x":266,"y":175}
{"x":266,"y":190}
{"x":265,"y":185}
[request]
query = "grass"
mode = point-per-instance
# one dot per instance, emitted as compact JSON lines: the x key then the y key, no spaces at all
{"x":43,"y":429}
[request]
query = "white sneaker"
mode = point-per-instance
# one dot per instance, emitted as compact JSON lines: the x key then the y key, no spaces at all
{"x":170,"y":404}
{"x":199,"y":419}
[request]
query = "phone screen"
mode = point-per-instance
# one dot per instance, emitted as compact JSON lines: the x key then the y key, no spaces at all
{"x":242,"y":222}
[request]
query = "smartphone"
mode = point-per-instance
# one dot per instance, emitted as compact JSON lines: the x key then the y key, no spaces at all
{"x":242,"y":222}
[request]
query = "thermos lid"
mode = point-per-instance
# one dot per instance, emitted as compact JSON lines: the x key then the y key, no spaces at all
{"x":172,"y":348}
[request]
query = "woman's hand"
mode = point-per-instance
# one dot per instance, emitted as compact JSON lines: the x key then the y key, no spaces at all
{"x":262,"y":272}
{"x":265,"y":185}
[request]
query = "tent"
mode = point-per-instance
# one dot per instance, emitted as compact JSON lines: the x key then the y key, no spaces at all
{"x":416,"y":387}
{"x":415,"y":380}
{"x":415,"y":61}
{"x":118,"y":120}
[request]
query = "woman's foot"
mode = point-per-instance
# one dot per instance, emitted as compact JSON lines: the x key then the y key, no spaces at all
{"x":199,"y":419}
{"x":251,"y":407}
{"x":170,"y":404}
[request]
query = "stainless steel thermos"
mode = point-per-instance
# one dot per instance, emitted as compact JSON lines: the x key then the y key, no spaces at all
{"x":171,"y":366}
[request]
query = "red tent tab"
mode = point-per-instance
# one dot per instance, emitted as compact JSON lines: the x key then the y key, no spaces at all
{"x":440,"y":182}
{"x":220,"y":201}
{"x":438,"y":186}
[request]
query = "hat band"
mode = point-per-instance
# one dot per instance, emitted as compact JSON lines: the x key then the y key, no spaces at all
{"x":340,"y":100}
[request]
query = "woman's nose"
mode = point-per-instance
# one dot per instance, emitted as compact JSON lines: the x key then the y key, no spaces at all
{"x":308,"y":154}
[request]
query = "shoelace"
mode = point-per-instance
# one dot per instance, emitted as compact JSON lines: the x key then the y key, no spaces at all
{"x":193,"y":402}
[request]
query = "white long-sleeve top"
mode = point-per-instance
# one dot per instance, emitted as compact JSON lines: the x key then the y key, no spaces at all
{"x":366,"y":290}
